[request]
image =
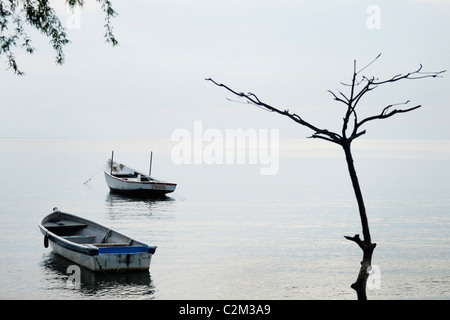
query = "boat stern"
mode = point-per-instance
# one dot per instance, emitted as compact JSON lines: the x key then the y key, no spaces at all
{"x":109,"y":260}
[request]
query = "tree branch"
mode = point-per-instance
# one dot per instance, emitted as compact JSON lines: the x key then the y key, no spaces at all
{"x":384,"y":114}
{"x":411,"y":75}
{"x":357,"y":240}
{"x":346,"y":101}
{"x":351,"y":101}
{"x":369,"y":85}
{"x":16,"y":15}
{"x":253,"y":99}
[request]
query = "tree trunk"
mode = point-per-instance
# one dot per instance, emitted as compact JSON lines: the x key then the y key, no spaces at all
{"x":360,"y":284}
{"x":366,"y":244}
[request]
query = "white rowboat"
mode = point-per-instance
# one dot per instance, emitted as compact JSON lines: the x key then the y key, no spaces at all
{"x":125,"y":180}
{"x":92,"y":245}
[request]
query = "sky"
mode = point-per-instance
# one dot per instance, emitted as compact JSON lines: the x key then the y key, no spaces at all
{"x":288,"y":52}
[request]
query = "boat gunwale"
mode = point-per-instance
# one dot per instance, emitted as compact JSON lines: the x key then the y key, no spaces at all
{"x":154,"y":182}
{"x":88,"y":249}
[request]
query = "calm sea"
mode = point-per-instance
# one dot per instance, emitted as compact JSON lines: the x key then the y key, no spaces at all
{"x":229,"y":232}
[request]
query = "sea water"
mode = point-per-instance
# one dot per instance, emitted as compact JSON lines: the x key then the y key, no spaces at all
{"x":229,"y":232}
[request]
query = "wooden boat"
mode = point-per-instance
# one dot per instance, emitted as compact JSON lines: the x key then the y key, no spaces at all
{"x":92,"y":245}
{"x":125,"y":180}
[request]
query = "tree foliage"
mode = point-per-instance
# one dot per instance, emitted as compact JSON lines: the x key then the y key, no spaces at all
{"x":18,"y":15}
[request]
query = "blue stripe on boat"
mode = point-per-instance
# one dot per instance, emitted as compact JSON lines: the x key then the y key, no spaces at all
{"x":127,"y":249}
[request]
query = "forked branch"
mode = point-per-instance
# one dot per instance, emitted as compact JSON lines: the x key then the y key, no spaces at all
{"x":357,"y":240}
{"x":385,"y":114}
{"x":369,"y":84}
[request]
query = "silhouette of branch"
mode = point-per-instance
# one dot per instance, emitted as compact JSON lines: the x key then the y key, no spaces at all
{"x":351,"y":101}
{"x":346,"y":101}
{"x":370,"y":84}
{"x":376,"y":58}
{"x":253,"y":99}
{"x":411,"y":75}
{"x":357,"y":240}
{"x":385,"y":114}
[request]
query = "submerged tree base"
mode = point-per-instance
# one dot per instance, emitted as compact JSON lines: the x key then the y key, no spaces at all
{"x":361,"y":281}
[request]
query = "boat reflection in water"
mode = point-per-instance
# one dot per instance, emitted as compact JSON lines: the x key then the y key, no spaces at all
{"x":122,"y":206}
{"x":60,"y":272}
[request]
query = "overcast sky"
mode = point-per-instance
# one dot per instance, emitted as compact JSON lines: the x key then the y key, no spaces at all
{"x":288,"y":52}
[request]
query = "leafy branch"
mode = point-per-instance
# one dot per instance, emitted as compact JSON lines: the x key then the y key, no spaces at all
{"x":16,"y":14}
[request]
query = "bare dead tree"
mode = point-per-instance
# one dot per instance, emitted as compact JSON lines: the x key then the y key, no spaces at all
{"x":351,"y":129}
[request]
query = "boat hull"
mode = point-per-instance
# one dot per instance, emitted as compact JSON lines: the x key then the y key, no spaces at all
{"x":92,"y":245}
{"x":105,"y":262}
{"x":142,"y":188}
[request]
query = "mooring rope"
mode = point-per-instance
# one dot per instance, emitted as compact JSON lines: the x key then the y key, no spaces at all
{"x":93,"y":175}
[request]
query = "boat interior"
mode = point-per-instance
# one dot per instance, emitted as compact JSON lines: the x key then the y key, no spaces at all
{"x":132,"y":176}
{"x":80,"y":233}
